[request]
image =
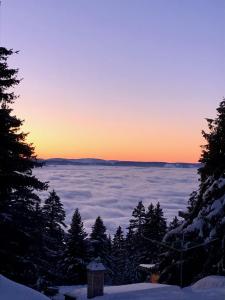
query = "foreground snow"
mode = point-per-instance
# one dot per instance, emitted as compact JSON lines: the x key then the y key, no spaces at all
{"x":209,"y":288}
{"x":10,"y":290}
{"x":209,"y":282}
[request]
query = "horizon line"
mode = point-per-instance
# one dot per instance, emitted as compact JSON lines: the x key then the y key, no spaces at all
{"x":121,"y":160}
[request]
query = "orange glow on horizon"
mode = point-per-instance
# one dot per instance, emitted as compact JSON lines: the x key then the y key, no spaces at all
{"x":71,"y":132}
{"x":114,"y":147}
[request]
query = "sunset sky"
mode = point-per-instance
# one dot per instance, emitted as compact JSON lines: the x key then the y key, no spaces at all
{"x":117,"y":79}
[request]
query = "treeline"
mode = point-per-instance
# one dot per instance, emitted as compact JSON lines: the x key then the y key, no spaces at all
{"x":50,"y":254}
{"x":121,"y":254}
{"x":42,"y":252}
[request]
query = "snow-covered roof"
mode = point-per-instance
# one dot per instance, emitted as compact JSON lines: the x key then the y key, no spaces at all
{"x":95,"y":266}
{"x":10,"y":290}
{"x":150,"y":291}
{"x":147,"y":266}
{"x":126,"y":292}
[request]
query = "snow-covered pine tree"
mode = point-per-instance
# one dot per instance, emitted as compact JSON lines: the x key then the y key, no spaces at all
{"x":135,"y":243}
{"x":18,"y":186}
{"x":160,"y":225}
{"x":53,"y":217}
{"x":119,"y":258}
{"x":154,"y":230}
{"x":138,"y":218}
{"x":76,"y":252}
{"x":132,"y":258}
{"x":100,"y":245}
{"x":204,"y":220}
{"x":137,"y":225}
{"x":148,"y":229}
{"x":174,"y":223}
{"x":54,"y":214}
{"x":98,"y":239}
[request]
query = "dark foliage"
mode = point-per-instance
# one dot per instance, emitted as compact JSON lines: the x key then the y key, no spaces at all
{"x":203,"y":224}
{"x":76,"y":252}
{"x":19,"y":201}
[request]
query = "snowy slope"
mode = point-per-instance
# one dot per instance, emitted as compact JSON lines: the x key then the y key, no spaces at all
{"x":10,"y":290}
{"x":210,"y":282}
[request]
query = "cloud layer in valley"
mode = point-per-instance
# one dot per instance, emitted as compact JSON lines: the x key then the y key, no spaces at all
{"x":113,"y":192}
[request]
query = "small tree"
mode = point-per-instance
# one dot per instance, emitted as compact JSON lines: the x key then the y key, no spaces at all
{"x":138,"y":219}
{"x":54,"y":214}
{"x":119,"y":257}
{"x":132,"y":257}
{"x":174,"y":223}
{"x":101,"y":244}
{"x":53,"y":220}
{"x":160,"y":226}
{"x":137,"y":226}
{"x":154,"y":230}
{"x":76,"y":253}
{"x":98,"y":238}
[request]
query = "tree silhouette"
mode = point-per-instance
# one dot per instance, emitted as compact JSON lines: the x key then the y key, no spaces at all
{"x":18,"y":185}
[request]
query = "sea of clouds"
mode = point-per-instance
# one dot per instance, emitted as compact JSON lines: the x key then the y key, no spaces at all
{"x":113,"y":192}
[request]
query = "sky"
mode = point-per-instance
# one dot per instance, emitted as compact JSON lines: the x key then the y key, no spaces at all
{"x":117,"y":79}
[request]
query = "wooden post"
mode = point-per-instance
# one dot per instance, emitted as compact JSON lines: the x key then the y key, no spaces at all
{"x":95,"y":279}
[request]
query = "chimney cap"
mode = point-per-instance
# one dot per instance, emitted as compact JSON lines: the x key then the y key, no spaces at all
{"x":96,"y":265}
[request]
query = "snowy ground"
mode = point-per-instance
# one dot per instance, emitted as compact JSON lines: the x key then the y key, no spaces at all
{"x":10,"y":290}
{"x":113,"y":192}
{"x":210,"y":288}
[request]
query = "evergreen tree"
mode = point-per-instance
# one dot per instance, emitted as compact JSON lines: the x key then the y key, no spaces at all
{"x":119,"y":258}
{"x":54,"y":217}
{"x":203,"y":223}
{"x":136,"y":242}
{"x":160,"y":223}
{"x":213,"y":153}
{"x":154,"y":230}
{"x":98,"y":238}
{"x":76,"y":254}
{"x":174,"y":223}
{"x":131,"y":272}
{"x":101,"y":245}
{"x":54,"y":214}
{"x":18,"y":197}
{"x":149,"y":221}
{"x":138,"y":219}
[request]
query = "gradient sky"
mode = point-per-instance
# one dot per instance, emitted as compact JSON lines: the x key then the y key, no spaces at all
{"x":117,"y":79}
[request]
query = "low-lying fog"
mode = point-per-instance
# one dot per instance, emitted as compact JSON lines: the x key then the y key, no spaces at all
{"x":113,"y":192}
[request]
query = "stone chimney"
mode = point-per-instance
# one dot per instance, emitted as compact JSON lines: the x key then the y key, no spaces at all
{"x":95,"y":278}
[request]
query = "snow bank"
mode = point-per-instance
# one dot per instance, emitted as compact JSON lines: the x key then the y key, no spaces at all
{"x":210,"y":282}
{"x":148,"y":291}
{"x":10,"y":290}
{"x":128,"y":292}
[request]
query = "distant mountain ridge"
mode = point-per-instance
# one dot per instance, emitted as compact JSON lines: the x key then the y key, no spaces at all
{"x":120,"y":163}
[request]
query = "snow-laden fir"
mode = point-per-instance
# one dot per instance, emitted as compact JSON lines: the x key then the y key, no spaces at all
{"x":202,"y":233}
